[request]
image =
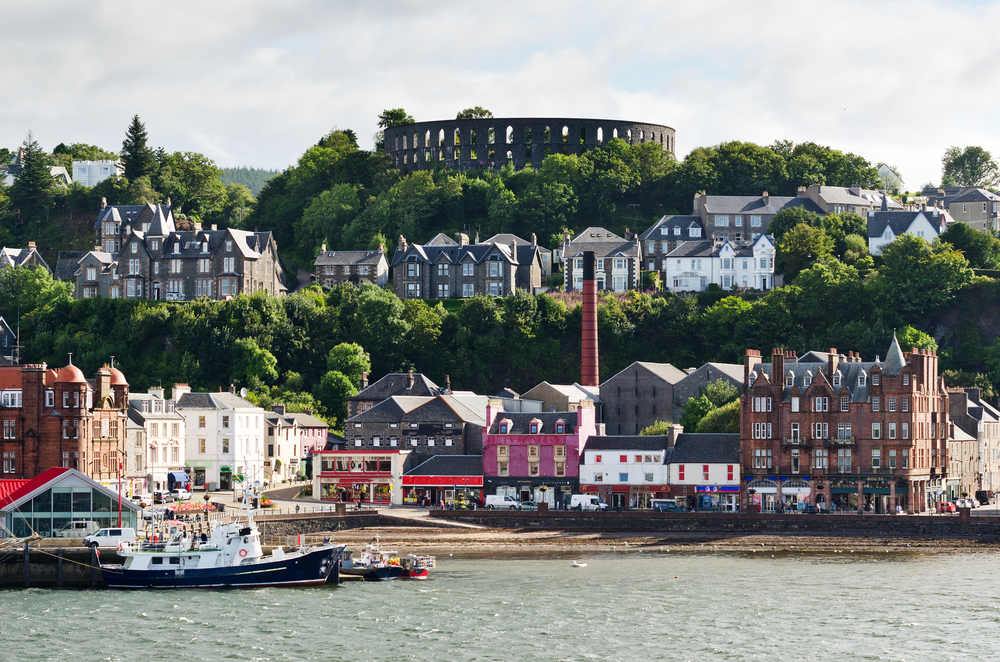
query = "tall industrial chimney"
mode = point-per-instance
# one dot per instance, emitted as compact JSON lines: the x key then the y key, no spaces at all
{"x":589,"y":376}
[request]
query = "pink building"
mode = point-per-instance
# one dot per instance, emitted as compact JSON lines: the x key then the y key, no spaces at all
{"x":312,"y":433}
{"x":535,"y":455}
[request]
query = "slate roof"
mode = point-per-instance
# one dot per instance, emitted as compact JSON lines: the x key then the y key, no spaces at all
{"x":506,"y":238}
{"x":442,"y":408}
{"x":975,"y":195}
{"x":521,"y":420}
{"x":341,"y":258}
{"x":628,"y":443}
{"x":856,"y":196}
{"x":17,"y":257}
{"x":390,"y":410}
{"x":68,"y":263}
{"x":604,"y":244}
{"x":137,"y":215}
{"x":711,"y":249}
{"x":664,"y":371}
{"x":670,"y":222}
{"x":213,"y":401}
{"x":449,"y":465}
{"x":397,"y":383}
{"x":706,"y":448}
{"x":455,"y":254}
{"x":900,"y":221}
{"x":441,"y":239}
{"x":307,"y":420}
{"x":755,"y":204}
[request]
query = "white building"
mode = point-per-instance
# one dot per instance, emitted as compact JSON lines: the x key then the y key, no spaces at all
{"x":694,"y":265}
{"x":284,"y":446}
{"x":224,"y":437}
{"x":92,"y":173}
{"x":704,"y":469}
{"x":165,"y":439}
{"x":627,"y":471}
{"x":885,"y":226}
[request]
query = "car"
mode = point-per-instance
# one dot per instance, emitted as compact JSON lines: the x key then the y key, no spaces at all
{"x":586,"y":502}
{"x":161,"y":496}
{"x":143,"y":500}
{"x":75,"y":529}
{"x":947,"y":507}
{"x":501,"y":502}
{"x":154,"y":514}
{"x":528,"y":505}
{"x":180,"y":494}
{"x":972,"y":502}
{"x":668,"y":507}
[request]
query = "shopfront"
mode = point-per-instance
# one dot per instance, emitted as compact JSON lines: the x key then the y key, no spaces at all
{"x":723,"y":498}
{"x":366,"y":477}
{"x":556,"y":492}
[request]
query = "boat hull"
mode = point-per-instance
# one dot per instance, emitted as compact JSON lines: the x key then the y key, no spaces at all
{"x":310,"y":569}
{"x":377,"y":573}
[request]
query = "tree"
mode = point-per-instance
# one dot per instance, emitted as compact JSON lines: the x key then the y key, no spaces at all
{"x":789,"y":217}
{"x":800,"y":248}
{"x":721,"y":392}
{"x":136,"y":154}
{"x":724,"y":419}
{"x":917,"y":279}
{"x":350,"y":360}
{"x":326,"y":216}
{"x":694,"y":410}
{"x":477,"y":113}
{"x":333,"y":391}
{"x":33,"y":188}
{"x":909,"y":337}
{"x":394,"y":117}
{"x":656,"y":429}
{"x":971,"y":166}
{"x":980,"y":249}
{"x":253,"y":365}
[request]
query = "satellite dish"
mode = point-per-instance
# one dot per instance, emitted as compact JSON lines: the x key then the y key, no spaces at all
{"x":243,"y":392}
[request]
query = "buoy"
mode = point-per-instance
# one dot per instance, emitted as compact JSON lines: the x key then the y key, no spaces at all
{"x":675,"y":576}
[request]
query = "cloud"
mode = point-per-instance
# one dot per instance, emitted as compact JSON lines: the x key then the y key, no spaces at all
{"x":256,"y":83}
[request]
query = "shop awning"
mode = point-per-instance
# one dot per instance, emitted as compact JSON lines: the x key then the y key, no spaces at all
{"x":178,"y":477}
{"x":225,"y":470}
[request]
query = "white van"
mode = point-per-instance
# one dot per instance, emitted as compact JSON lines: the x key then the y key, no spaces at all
{"x":501,"y":502}
{"x":586,"y":502}
{"x":110,"y":537}
{"x":76,"y":529}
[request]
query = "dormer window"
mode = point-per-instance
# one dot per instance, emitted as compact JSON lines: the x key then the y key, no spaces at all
{"x":204,"y":247}
{"x":862,"y":379}
{"x":875,"y":380}
{"x":560,"y":427}
{"x":534,"y":426}
{"x":503,"y":427}
{"x":807,"y":380}
{"x":177,"y":248}
{"x":790,"y":379}
{"x":677,"y":231}
{"x":836,"y":379}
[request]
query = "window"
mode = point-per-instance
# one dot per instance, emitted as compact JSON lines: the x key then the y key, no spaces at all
{"x":821,"y":430}
{"x":875,"y":380}
{"x":503,"y":452}
{"x":876,"y":431}
{"x":201,"y":421}
{"x":844,"y":460}
{"x":906,"y":458}
{"x":762,"y":458}
{"x":442,"y":270}
{"x":795,"y":461}
{"x":503,"y":427}
{"x":532,"y":468}
{"x":721,"y":221}
{"x":906,"y":380}
{"x":225,"y":445}
{"x":597,"y":459}
{"x":762,"y":404}
{"x":836,"y":379}
{"x":225,"y":421}
{"x":875,"y":404}
{"x":623,"y":477}
{"x":892,"y":458}
{"x":468,"y":290}
{"x":906,"y":430}
{"x":729,"y":472}
{"x":468,"y":269}
{"x":892,"y":430}
{"x":413,"y":290}
{"x":704,"y":472}
{"x":533,"y":428}
{"x":845,"y":403}
{"x":503,"y":468}
{"x":843,"y":430}
{"x":229,"y":264}
{"x":821,"y":404}
{"x":761,"y":430}
{"x":876,"y":458}
{"x":560,"y":428}
{"x":819,"y":459}
{"x":905,"y":404}
{"x":862,"y":379}
{"x":443,"y":291}
{"x":680,"y":472}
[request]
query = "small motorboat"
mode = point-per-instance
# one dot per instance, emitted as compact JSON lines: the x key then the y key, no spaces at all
{"x":577,"y":564}
{"x":416,"y":566}
{"x":377,"y":564}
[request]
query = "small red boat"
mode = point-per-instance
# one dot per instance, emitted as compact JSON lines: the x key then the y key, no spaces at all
{"x":416,"y":566}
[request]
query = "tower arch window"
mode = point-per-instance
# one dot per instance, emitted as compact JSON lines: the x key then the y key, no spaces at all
{"x":510,"y":135}
{"x":458,"y":136}
{"x":547,"y":135}
{"x":565,"y":134}
{"x":583,"y":135}
{"x":600,"y":135}
{"x":491,"y":135}
{"x":427,"y":138}
{"x":441,"y":138}
{"x":614,"y":133}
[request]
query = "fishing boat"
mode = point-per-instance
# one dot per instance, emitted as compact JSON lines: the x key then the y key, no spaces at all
{"x":231,"y":556}
{"x":377,"y":564}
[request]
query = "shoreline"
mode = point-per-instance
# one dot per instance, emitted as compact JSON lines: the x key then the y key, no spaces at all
{"x":509,"y":542}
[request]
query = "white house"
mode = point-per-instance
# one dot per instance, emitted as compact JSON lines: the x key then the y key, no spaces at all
{"x":625,"y":471}
{"x":224,"y":437}
{"x":284,"y":445}
{"x":694,"y":265}
{"x":704,"y":468}
{"x":165,"y":436}
{"x":92,"y":173}
{"x":885,"y":226}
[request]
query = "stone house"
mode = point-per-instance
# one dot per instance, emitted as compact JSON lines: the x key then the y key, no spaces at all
{"x":666,"y":235}
{"x":693,"y":266}
{"x":536,"y":456}
{"x":506,"y":239}
{"x":844,"y":433}
{"x":619,"y":260}
{"x":23,"y":257}
{"x":980,"y":420}
{"x":963,"y":460}
{"x":565,"y":397}
{"x":335,"y":267}
{"x":638,"y":396}
{"x":57,"y":418}
{"x":437,"y":425}
{"x":463,"y":270}
{"x":282,"y":443}
{"x":697,"y":379}
{"x":976,"y":207}
{"x":743,"y":217}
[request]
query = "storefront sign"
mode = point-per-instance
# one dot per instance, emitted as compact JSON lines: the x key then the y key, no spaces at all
{"x":718,"y":488}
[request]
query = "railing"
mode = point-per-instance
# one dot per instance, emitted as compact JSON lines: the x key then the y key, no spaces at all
{"x":841,"y":441}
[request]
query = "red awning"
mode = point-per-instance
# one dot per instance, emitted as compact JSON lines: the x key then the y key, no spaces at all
{"x":442,"y":481}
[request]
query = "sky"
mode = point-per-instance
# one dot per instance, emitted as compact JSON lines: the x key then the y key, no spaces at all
{"x":256,"y":83}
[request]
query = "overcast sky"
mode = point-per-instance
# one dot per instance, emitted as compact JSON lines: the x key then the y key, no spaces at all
{"x":256,"y":83}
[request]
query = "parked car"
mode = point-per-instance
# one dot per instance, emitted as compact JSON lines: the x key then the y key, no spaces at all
{"x":985,"y":497}
{"x":180,"y":494}
{"x":153,"y":514}
{"x":667,"y":507}
{"x":77,"y":529}
{"x":972,"y":502}
{"x":111,"y":537}
{"x":143,"y":500}
{"x":528,"y":505}
{"x":586,"y":502}
{"x":163,"y":497}
{"x":947,"y":507}
{"x":501,"y":502}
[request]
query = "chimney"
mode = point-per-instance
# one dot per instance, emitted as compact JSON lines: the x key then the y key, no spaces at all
{"x":31,"y":244}
{"x":477,"y":236}
{"x":766,"y":197}
{"x":322,"y":248}
{"x":156,"y":392}
{"x":214,"y":226}
{"x":402,"y":243}
{"x":364,"y":380}
{"x":565,"y":236}
{"x":410,"y":375}
{"x":673,"y":431}
{"x":777,"y":366}
{"x":513,"y":250}
{"x":463,"y":239}
{"x":751,"y":360}
{"x":628,"y":235}
{"x":534,"y":239}
{"x":278,"y":409}
{"x":168,"y":200}
{"x":923,"y":206}
{"x":381,"y":248}
{"x":833,"y":362}
{"x":589,"y":369}
{"x":178,"y":390}
{"x":447,"y":383}
{"x":104,"y":203}
{"x":232,"y":388}
{"x":801,"y":192}
{"x":307,"y":411}
{"x":103,"y":385}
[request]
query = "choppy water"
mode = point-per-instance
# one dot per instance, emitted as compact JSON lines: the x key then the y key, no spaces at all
{"x":620,"y":607}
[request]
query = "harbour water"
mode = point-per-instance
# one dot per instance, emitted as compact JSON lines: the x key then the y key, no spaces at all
{"x":649,"y":606}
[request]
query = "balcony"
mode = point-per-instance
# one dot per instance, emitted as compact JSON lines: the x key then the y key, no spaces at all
{"x":845,"y":441}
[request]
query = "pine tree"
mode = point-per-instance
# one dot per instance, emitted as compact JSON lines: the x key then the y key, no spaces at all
{"x":32,"y":190}
{"x":136,"y":155}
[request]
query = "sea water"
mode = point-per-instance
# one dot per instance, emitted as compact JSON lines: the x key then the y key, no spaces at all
{"x":629,"y":606}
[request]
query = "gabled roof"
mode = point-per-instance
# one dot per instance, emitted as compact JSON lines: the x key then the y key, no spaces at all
{"x":685,"y":223}
{"x":628,"y":443}
{"x":506,"y":238}
{"x":453,"y":254}
{"x":341,"y":258}
{"x":441,"y":408}
{"x":307,"y":420}
{"x":214,"y":401}
{"x":900,"y":221}
{"x":18,"y":257}
{"x":708,"y":448}
{"x":520,"y":421}
{"x":975,"y":195}
{"x":389,"y":410}
{"x":857,"y":196}
{"x":67,"y":264}
{"x":398,"y":383}
{"x":756,"y":204}
{"x":665,"y":371}
{"x":449,"y":465}
{"x":441,"y":239}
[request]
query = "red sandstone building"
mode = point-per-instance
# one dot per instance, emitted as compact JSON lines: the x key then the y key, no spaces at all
{"x":57,"y":418}
{"x":842,"y":434}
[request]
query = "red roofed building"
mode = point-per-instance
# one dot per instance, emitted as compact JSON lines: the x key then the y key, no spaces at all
{"x":57,"y":418}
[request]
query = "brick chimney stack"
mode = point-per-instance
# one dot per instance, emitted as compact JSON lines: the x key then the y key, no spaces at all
{"x":364,"y":380}
{"x":589,"y":368}
{"x":410,"y":374}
